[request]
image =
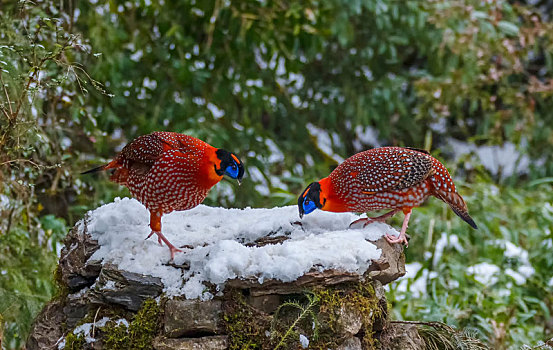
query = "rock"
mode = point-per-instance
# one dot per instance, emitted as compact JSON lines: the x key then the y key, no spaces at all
{"x":76,"y":271}
{"x":351,"y":343}
{"x":401,"y":336}
{"x":349,"y":320}
{"x":75,"y":309}
{"x":46,"y":331}
{"x":265,"y":303}
{"x":124,"y":288}
{"x":380,"y":294}
{"x":192,"y":318}
{"x":243,"y":312}
{"x":391,"y":264}
{"x":218,"y":342}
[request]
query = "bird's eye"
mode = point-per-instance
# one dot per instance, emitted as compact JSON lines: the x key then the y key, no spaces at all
{"x":233,"y":166}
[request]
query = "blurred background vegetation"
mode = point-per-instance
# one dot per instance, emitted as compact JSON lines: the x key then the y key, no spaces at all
{"x":293,"y":87}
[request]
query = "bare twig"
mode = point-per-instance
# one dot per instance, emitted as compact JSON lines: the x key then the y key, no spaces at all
{"x":6,"y":93}
{"x":25,"y":161}
{"x":94,"y":322}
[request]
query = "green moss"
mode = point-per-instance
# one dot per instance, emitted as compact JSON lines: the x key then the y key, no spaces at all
{"x":356,"y":296}
{"x":74,"y":342}
{"x":144,"y":326}
{"x":244,"y":325}
{"x":116,"y":336}
{"x":139,"y":334}
{"x":315,"y":314}
{"x":62,"y":289}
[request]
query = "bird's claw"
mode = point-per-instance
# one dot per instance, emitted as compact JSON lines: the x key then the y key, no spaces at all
{"x":158,"y":238}
{"x":358,"y":221}
{"x":402,"y":238}
{"x":174,"y":250}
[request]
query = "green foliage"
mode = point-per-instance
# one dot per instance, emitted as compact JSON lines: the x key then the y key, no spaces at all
{"x":439,"y":336}
{"x":512,"y":307}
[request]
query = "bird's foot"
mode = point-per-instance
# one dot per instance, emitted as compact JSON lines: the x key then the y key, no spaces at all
{"x":158,"y":238}
{"x":161,"y":239}
{"x":173,"y":250}
{"x":365,"y":222}
{"x":402,"y":238}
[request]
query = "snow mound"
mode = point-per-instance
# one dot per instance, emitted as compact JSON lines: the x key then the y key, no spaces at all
{"x":223,"y":244}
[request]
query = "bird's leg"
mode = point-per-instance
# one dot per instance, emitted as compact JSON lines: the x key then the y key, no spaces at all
{"x":402,"y":237}
{"x":155,"y":225}
{"x":380,"y":218}
{"x":172,"y":248}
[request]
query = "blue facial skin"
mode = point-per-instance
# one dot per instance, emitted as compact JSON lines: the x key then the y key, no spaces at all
{"x":308,"y":206}
{"x":232,"y":170}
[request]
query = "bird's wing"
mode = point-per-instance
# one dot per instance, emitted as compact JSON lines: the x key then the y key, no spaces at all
{"x":140,"y":155}
{"x":182,"y":143}
{"x":145,"y":149}
{"x":393,"y":169}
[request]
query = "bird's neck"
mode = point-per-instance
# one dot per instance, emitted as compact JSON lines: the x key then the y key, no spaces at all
{"x":210,"y":176}
{"x":333,"y":202}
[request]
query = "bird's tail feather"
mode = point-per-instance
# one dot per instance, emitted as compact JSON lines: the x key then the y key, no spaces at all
{"x":110,"y":165}
{"x":457,"y":204}
{"x":95,"y":170}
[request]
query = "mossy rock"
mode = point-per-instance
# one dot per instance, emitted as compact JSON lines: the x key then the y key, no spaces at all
{"x":326,"y":316}
{"x":137,"y":335}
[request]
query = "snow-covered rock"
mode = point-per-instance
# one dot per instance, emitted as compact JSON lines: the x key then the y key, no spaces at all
{"x":228,"y":244}
{"x":249,"y":261}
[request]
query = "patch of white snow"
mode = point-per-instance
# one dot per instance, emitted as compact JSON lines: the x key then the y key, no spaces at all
{"x":219,"y":236}
{"x":484,"y":273}
{"x":304,"y":341}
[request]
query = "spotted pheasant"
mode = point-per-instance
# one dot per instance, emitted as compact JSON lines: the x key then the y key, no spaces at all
{"x":384,"y":178}
{"x":167,"y":171}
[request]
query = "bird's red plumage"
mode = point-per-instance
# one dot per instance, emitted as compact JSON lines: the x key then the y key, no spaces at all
{"x":389,"y":178}
{"x":385,"y":178}
{"x":166,"y":171}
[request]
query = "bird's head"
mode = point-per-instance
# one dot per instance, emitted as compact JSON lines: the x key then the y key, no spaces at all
{"x":230,"y":165}
{"x":311,"y":198}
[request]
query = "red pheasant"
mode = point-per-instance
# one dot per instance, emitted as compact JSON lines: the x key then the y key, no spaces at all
{"x":168,"y":171}
{"x":384,"y":178}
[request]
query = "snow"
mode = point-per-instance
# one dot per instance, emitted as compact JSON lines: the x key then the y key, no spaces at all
{"x":304,"y":341}
{"x":417,"y":287}
{"x":122,"y":321}
{"x":219,"y":238}
{"x":484,"y":273}
{"x":504,"y":160}
{"x":525,"y":269}
{"x":86,"y":329}
{"x":446,"y":241}
{"x":326,"y":141}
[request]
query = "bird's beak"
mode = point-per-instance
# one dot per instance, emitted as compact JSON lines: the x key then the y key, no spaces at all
{"x":239,"y":182}
{"x":301,"y":215}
